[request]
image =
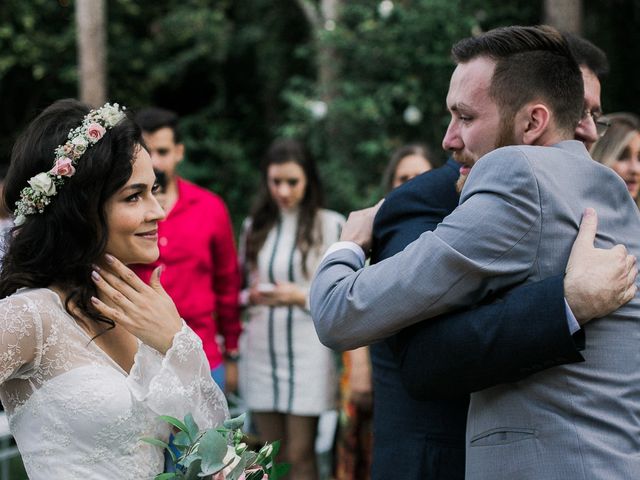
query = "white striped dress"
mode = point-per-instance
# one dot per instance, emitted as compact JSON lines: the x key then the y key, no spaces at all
{"x":284,"y":367}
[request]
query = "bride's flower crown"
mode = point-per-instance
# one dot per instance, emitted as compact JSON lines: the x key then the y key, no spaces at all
{"x":44,"y":186}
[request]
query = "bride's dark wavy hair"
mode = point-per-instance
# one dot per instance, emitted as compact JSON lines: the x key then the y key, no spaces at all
{"x":58,"y":246}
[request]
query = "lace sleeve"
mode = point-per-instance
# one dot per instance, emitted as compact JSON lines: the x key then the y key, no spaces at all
{"x":178,"y":382}
{"x":20,"y":338}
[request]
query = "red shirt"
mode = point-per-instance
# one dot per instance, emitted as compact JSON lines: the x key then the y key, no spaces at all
{"x":200,"y":271}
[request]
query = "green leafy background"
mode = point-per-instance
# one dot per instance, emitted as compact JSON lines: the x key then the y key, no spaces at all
{"x":241,"y":72}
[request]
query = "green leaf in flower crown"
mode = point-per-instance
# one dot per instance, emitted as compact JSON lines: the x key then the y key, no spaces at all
{"x":212,"y":449}
{"x":192,"y":426}
{"x":182,"y":440}
{"x":235,"y":423}
{"x":175,"y":422}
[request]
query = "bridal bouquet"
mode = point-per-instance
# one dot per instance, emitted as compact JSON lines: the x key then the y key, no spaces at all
{"x":217,"y":453}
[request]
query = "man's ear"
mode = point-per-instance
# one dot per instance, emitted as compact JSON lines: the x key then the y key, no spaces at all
{"x":534,"y":123}
{"x":180,"y":151}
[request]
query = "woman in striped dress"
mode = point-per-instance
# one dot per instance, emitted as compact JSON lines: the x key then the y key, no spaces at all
{"x":287,"y":376}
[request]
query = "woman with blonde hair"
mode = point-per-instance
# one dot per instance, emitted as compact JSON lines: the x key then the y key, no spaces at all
{"x":619,"y":149}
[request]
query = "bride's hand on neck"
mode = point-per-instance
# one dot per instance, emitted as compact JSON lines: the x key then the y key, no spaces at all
{"x":146,"y":311}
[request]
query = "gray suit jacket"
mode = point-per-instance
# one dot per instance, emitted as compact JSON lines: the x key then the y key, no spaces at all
{"x":518,"y":216}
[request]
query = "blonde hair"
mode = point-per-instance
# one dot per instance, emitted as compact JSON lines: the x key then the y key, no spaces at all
{"x":622,"y":129}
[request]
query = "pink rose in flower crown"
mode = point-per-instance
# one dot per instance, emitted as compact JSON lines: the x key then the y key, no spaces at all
{"x":95,"y":131}
{"x":63,"y":167}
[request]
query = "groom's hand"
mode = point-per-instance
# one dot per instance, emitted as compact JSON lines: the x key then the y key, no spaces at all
{"x":359,"y":227}
{"x":597,"y":281}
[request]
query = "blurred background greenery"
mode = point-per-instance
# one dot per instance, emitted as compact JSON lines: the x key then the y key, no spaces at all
{"x":352,"y":78}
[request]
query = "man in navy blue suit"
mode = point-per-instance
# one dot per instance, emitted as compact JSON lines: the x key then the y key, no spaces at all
{"x":525,"y":331}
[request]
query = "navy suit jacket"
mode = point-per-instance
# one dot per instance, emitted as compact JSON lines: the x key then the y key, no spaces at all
{"x":422,"y":376}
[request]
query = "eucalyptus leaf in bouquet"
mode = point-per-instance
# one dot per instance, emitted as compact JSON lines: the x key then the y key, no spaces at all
{"x":217,"y":453}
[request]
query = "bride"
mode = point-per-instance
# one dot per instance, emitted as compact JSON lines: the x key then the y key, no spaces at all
{"x":89,"y":354}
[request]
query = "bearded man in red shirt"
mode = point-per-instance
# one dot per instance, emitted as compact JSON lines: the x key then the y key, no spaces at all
{"x":197,"y":250}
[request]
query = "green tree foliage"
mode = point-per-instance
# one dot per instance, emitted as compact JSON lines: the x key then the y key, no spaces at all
{"x":37,"y":62}
{"x":221,"y":66}
{"x":242,"y":72}
{"x":394,"y":74}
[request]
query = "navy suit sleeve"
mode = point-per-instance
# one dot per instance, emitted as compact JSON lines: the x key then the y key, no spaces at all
{"x":517,"y":335}
{"x":407,"y":213}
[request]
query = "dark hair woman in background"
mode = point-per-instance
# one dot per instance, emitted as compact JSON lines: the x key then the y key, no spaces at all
{"x":406,"y":162}
{"x":287,"y":376}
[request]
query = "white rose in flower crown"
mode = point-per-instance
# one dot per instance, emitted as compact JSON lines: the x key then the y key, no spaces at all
{"x":43,"y":184}
{"x":79,"y":144}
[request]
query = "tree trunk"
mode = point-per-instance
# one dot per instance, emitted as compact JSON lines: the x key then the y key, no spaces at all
{"x":92,"y":51}
{"x":565,"y":15}
{"x":323,"y":16}
{"x":328,"y":61}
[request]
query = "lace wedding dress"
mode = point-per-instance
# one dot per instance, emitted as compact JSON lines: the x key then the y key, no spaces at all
{"x":75,"y":413}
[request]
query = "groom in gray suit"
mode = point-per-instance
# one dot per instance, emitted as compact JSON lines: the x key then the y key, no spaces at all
{"x":519,"y":213}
